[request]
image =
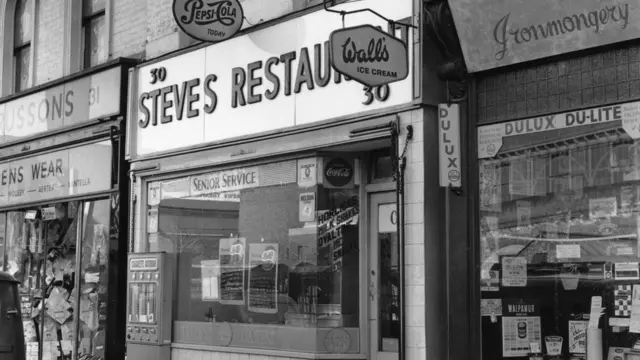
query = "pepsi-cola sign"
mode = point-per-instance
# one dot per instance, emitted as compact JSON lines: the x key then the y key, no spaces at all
{"x":338,"y":172}
{"x":210,"y":21}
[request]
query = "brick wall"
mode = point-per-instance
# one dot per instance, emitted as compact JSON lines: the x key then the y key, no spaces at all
{"x":128,"y":29}
{"x":588,"y":80}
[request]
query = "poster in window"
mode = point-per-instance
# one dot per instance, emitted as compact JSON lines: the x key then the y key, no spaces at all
{"x":514,"y":271}
{"x":523,"y":211}
{"x":520,"y":179}
{"x":517,"y":333}
{"x":232,"y":263}
{"x":603,"y":208}
{"x":210,"y":279}
{"x":263,"y":278}
{"x":491,"y":188}
{"x":578,"y":336}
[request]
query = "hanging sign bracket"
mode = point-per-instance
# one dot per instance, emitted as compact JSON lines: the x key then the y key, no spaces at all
{"x":345,"y":13}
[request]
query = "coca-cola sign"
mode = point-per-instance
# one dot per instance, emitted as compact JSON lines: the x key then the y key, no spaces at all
{"x":212,"y":21}
{"x":338,"y":172}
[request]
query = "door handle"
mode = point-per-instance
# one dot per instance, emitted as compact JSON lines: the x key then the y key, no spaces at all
{"x":12,"y":312}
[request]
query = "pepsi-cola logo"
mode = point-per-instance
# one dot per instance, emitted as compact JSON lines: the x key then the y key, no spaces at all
{"x":338,"y":172}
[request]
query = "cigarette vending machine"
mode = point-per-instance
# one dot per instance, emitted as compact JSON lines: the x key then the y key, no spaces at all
{"x":149,"y":306}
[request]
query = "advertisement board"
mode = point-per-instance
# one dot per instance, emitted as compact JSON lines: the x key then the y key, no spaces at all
{"x":76,"y":171}
{"x":496,"y":33}
{"x":271,"y":79}
{"x":89,"y":98}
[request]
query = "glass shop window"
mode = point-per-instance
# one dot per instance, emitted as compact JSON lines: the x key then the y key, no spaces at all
{"x":559,"y":223}
{"x":267,"y":244}
{"x":41,"y":246}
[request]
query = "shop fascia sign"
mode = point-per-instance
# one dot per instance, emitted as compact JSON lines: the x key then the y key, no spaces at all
{"x":210,"y":21}
{"x":369,"y":55}
{"x":496,"y":33}
{"x":93,"y":97}
{"x":490,"y":137}
{"x":271,"y":79}
{"x":76,"y":171}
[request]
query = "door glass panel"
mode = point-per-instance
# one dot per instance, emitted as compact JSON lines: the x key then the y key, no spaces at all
{"x":41,"y":255}
{"x":3,"y":232}
{"x":94,"y":272}
{"x":389,"y":279}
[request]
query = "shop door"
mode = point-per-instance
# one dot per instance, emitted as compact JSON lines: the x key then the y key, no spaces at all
{"x":384,"y":290}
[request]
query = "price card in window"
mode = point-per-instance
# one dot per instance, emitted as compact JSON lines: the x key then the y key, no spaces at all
{"x":307,"y":211}
{"x":49,"y":213}
{"x":153,"y":195}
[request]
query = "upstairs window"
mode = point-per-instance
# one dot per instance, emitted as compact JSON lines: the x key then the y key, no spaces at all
{"x":93,"y":30}
{"x":22,"y":44}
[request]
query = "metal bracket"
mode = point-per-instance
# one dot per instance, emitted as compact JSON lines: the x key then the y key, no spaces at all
{"x":344,"y":13}
{"x":455,"y":190}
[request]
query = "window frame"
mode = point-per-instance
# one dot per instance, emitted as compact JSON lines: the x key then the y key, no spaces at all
{"x":139,"y":234}
{"x":8,"y":73}
{"x":85,"y":33}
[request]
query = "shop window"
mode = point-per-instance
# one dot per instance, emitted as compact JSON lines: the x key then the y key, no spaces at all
{"x":94,"y":31}
{"x":262,"y":245}
{"x":22,"y":44}
{"x":559,"y":223}
{"x":381,"y":165}
{"x":41,"y":248}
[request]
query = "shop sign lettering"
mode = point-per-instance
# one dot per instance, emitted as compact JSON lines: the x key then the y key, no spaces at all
{"x":224,"y":181}
{"x":252,"y":84}
{"x":75,"y":171}
{"x":82,"y":100}
{"x":490,"y":137}
{"x":338,"y":172}
{"x":449,"y":141}
{"x":209,"y":20}
{"x":519,"y":30}
{"x":369,"y":55}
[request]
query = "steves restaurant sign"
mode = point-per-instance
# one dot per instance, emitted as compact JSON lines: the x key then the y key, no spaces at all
{"x":93,"y":97}
{"x":274,"y":78}
{"x":495,"y":33}
{"x":76,"y":171}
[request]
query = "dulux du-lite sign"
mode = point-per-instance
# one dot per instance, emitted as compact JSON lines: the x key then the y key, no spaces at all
{"x":89,"y":98}
{"x":496,"y":33}
{"x":271,"y":79}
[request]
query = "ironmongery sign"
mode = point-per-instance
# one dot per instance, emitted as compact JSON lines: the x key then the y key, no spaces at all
{"x":496,"y":33}
{"x":369,"y":55}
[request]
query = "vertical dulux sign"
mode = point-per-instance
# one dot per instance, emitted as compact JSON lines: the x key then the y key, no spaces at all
{"x":449,"y":141}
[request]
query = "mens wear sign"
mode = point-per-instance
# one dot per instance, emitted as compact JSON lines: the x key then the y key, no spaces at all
{"x":495,"y":33}
{"x":274,"y":78}
{"x":369,"y":55}
{"x":209,"y":20}
{"x":76,"y":171}
{"x":89,"y":98}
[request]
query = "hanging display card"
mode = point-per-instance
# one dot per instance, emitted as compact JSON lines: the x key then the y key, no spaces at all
{"x":517,"y":333}
{"x":523,"y":210}
{"x":307,"y":211}
{"x":553,"y":344}
{"x":577,"y":336}
{"x":491,"y":307}
{"x":210,"y":279}
{"x":232,"y":264}
{"x":263,"y":278}
{"x":49,"y":213}
{"x":634,"y":326}
{"x":491,"y":188}
{"x":490,"y":281}
{"x":514,"y":271}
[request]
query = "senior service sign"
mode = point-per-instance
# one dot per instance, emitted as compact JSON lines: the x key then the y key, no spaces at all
{"x":496,"y":33}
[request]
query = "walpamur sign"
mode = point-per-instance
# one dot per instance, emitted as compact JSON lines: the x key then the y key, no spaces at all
{"x":495,"y":33}
{"x":89,"y":98}
{"x":209,"y":20}
{"x":76,"y":171}
{"x":490,"y":137}
{"x":369,"y":55}
{"x":271,"y":79}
